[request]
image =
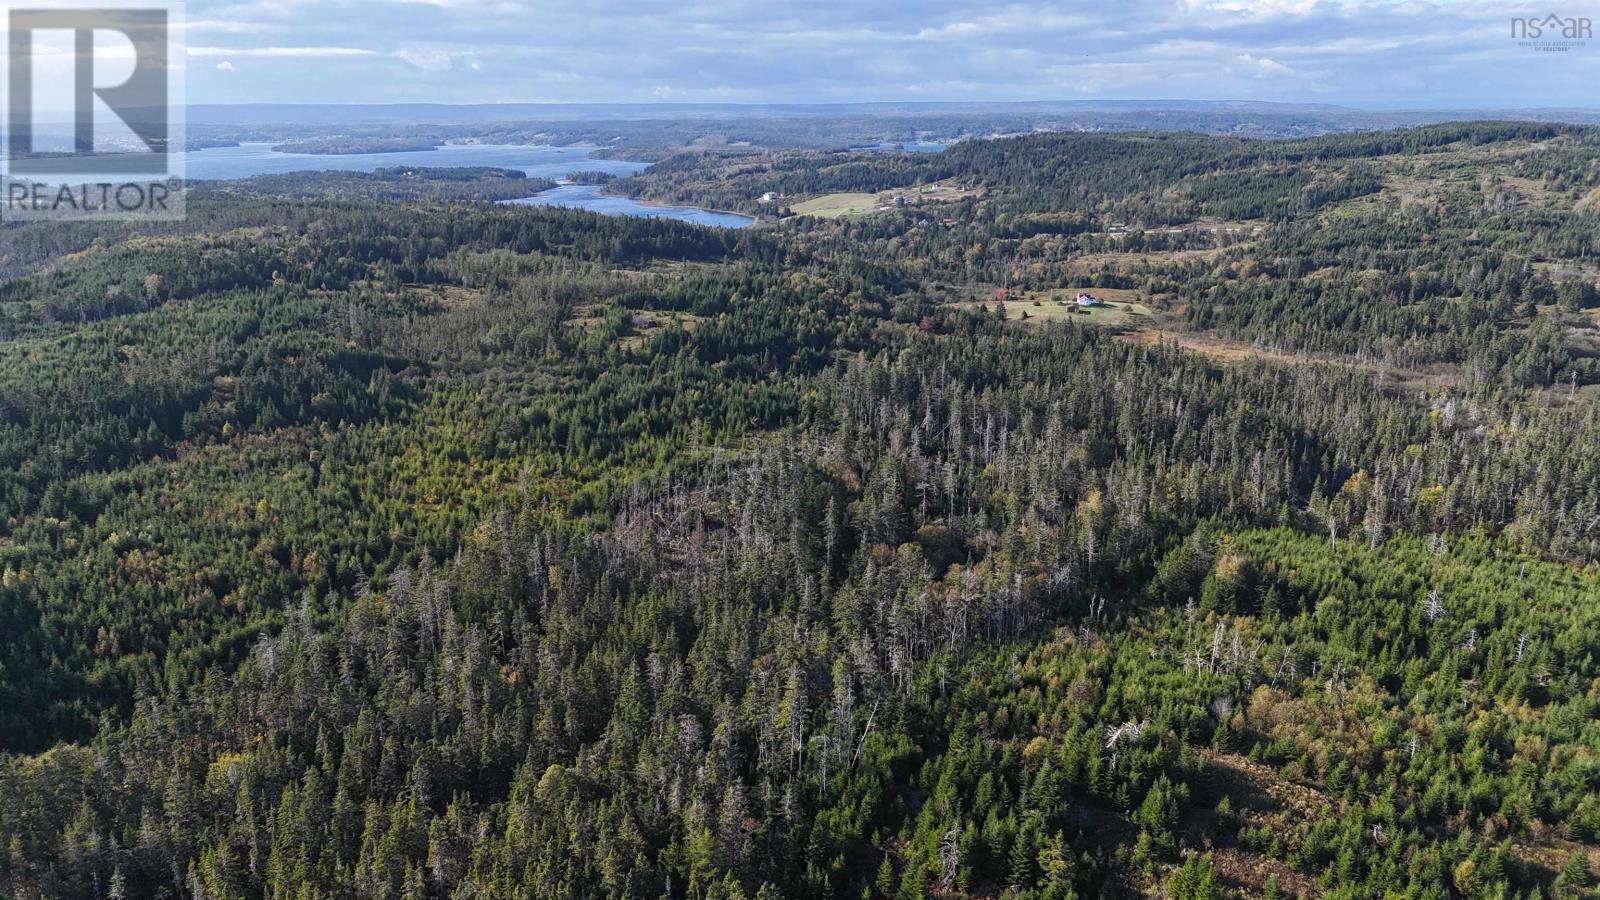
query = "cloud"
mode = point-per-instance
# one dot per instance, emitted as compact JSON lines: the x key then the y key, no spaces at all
{"x":225,"y":66}
{"x":426,"y":59}
{"x":228,"y":26}
{"x":955,"y":31}
{"x":281,"y":52}
{"x":1012,"y":20}
{"x":1263,"y":67}
{"x":1386,"y":52}
{"x":1258,"y":9}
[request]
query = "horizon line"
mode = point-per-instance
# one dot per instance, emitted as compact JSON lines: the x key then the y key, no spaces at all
{"x":734,"y":104}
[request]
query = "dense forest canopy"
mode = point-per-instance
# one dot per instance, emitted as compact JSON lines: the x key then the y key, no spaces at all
{"x":364,"y":538}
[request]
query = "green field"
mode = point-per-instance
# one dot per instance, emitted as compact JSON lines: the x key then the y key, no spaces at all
{"x":830,"y":206}
{"x":1107,"y":313}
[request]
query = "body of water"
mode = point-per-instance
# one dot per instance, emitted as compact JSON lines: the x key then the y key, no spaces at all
{"x":905,"y":147}
{"x":246,"y":160}
{"x":590,"y":197}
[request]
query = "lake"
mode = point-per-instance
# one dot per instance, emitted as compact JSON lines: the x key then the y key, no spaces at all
{"x":590,"y":197}
{"x":905,"y":146}
{"x":246,"y":160}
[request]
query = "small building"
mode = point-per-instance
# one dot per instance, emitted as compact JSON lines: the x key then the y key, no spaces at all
{"x":1087,"y":300}
{"x":770,"y":197}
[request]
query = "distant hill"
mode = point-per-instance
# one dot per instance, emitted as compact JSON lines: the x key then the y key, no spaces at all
{"x":402,"y":113}
{"x":670,"y":125}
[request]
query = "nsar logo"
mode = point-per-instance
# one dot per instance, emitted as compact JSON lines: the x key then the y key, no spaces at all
{"x":1552,"y":33}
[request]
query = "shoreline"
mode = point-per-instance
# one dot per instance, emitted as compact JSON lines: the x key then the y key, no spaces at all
{"x":662,"y":204}
{"x":652,"y":204}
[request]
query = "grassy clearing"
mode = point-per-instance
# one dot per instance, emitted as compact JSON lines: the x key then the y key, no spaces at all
{"x":917,"y":197}
{"x":830,"y":206}
{"x":645,"y":323}
{"x":1117,"y":307}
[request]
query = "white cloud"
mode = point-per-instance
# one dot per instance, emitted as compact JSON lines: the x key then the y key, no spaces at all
{"x":951,"y":32}
{"x":1015,"y":20}
{"x":1388,"y":52}
{"x":293,"y":52}
{"x":1259,"y":9}
{"x":228,"y":26}
{"x":425,"y":58}
{"x":475,"y":5}
{"x":1264,"y":67}
{"x":225,"y":66}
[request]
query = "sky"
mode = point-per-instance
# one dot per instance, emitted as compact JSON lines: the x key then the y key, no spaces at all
{"x":1353,"y":52}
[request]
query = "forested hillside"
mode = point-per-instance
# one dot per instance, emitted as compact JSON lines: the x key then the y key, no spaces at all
{"x":367,"y":539}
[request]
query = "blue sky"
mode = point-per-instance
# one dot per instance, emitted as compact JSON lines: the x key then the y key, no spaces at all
{"x":1374,"y":54}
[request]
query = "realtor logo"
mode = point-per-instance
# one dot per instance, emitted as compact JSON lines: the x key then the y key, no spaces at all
{"x":1552,"y":33}
{"x":94,"y":113}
